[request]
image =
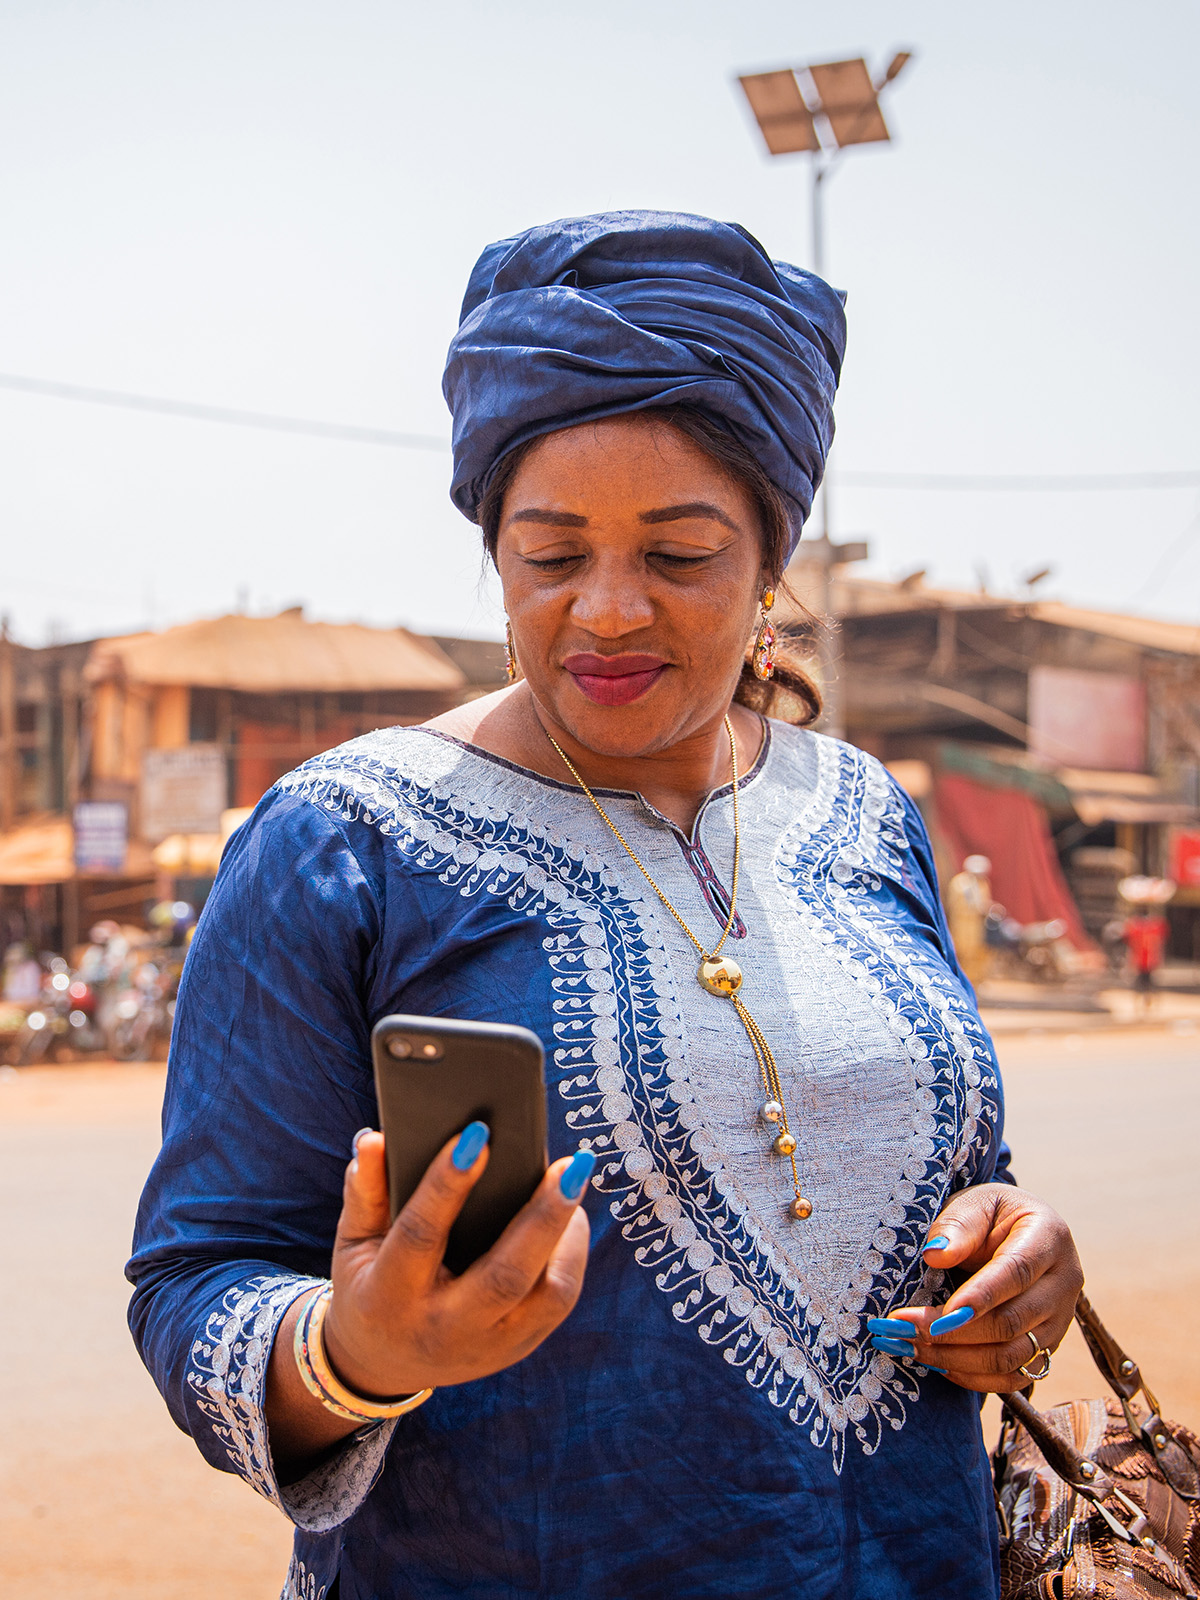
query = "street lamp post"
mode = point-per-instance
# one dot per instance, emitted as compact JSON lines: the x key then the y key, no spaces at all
{"x":822,"y":110}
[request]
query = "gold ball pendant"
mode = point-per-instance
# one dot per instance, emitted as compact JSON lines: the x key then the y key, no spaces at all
{"x":785,"y":1143}
{"x":800,"y":1208}
{"x":719,"y":975}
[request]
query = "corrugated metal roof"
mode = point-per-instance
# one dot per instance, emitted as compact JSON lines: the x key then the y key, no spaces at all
{"x":276,"y":655}
{"x":1094,"y":796}
{"x":1176,"y":638}
{"x":853,"y":597}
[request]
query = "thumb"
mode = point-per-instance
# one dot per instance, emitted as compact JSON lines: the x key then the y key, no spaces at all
{"x":365,"y":1210}
{"x":962,"y":1230}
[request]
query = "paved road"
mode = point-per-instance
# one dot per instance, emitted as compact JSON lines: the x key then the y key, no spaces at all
{"x":101,"y":1498}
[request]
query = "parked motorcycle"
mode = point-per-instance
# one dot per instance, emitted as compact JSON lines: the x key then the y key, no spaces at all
{"x":142,"y":1016}
{"x":1030,"y":950}
{"x":62,"y":1019}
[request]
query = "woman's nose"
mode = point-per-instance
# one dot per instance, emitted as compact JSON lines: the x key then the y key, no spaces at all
{"x":613,"y":603}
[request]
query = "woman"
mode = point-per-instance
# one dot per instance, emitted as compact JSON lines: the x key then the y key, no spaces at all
{"x":762,"y":1384}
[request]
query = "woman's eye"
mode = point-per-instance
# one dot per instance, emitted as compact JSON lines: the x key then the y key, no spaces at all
{"x":550,"y":563}
{"x":670,"y":559}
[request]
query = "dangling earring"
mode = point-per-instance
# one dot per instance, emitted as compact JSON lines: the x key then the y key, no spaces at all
{"x":510,"y":653}
{"x":762,"y":658}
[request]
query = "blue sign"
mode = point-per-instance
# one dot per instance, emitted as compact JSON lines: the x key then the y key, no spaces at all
{"x":101,"y":836}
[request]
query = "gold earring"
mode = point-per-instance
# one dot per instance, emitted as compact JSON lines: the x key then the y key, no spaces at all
{"x":510,"y":653}
{"x":762,"y":657}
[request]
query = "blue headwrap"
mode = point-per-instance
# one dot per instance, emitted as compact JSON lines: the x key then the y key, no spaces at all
{"x":593,"y":316}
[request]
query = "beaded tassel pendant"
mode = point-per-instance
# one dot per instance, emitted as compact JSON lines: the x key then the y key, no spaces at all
{"x":763,"y":657}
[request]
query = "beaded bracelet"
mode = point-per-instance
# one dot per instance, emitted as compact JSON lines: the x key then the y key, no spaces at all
{"x":323,"y":1384}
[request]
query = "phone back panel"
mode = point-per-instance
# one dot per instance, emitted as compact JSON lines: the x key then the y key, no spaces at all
{"x":485,"y":1071}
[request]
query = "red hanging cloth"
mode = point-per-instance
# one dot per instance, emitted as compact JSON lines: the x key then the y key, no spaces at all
{"x":1012,"y":830}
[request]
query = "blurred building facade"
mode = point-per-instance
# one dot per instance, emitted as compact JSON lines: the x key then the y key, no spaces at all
{"x":1064,"y":744}
{"x":124,"y":762}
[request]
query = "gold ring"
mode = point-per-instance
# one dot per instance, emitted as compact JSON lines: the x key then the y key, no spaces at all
{"x":1039,"y":1351}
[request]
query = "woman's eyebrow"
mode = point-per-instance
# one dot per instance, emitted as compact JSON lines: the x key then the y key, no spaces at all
{"x":690,"y":508}
{"x":560,"y":519}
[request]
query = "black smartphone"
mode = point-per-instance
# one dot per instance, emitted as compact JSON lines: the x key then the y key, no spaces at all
{"x":434,"y":1075}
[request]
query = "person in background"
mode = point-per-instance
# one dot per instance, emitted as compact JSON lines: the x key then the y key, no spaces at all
{"x":105,"y":966}
{"x":1145,"y":934}
{"x":968,"y":901}
{"x":22,"y":975}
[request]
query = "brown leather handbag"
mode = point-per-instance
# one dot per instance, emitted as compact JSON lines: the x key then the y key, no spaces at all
{"x":1095,"y":1498}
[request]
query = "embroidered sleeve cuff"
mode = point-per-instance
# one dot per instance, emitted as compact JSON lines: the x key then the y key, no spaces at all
{"x":227,"y":1374}
{"x":333,"y":1492}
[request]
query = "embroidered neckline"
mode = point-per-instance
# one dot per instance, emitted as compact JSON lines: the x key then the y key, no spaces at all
{"x":755,"y":770}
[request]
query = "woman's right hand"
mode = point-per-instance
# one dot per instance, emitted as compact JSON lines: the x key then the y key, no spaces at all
{"x":400,"y":1321}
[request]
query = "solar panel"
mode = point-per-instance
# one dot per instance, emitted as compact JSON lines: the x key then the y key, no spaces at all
{"x":848,"y":102}
{"x":779,"y":109}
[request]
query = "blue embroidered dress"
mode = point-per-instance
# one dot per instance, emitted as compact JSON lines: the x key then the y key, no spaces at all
{"x":711,"y":1419}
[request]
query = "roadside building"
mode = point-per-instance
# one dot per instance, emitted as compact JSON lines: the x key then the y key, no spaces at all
{"x":125,"y":762}
{"x":1061,"y":743}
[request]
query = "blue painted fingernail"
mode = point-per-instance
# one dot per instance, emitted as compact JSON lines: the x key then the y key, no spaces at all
{"x":576,"y":1175}
{"x":356,"y":1138}
{"x":892,"y":1328}
{"x":940,"y":1242}
{"x":952,"y":1320}
{"x":942,"y":1372}
{"x":894,"y":1347}
{"x":470,"y":1142}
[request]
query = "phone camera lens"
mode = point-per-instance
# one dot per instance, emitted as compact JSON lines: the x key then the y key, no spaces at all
{"x":399,"y":1048}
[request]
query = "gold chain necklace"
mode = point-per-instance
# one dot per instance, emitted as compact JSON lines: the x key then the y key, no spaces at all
{"x":722,"y":976}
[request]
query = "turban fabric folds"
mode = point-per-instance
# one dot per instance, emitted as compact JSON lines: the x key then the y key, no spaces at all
{"x":594,"y":316}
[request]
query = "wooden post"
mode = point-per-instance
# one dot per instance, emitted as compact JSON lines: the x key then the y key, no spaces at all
{"x":226,"y":735}
{"x":943,"y":662}
{"x":69,"y":692}
{"x":68,"y":684}
{"x":8,"y":730}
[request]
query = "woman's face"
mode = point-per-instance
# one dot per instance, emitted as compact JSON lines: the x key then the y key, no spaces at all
{"x":632,"y":569}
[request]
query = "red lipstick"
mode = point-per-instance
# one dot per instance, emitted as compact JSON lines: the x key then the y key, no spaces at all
{"x":615,"y":680}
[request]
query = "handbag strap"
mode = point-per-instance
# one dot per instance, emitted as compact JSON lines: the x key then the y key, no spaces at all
{"x":1120,"y":1371}
{"x":1124,"y":1377}
{"x":1062,"y":1455}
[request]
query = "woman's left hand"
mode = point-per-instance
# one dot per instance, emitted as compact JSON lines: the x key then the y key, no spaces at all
{"x":1025,"y":1281}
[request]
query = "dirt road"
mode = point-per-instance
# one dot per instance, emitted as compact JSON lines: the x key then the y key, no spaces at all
{"x":102,"y":1499}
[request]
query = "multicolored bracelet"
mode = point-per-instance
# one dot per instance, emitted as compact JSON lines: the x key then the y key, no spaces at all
{"x":320,"y":1379}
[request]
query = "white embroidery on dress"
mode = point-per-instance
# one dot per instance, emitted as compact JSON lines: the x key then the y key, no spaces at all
{"x":301,"y":1584}
{"x":228,"y":1369}
{"x":698,"y":1214}
{"x":333,"y":1491}
{"x":227,"y":1374}
{"x":726,"y":1267}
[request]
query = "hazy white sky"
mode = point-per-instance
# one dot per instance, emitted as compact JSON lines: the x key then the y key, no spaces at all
{"x":274,"y":205}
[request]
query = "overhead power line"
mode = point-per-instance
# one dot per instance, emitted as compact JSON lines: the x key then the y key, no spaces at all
{"x":1030,"y":482}
{"x":395,"y":439}
{"x":346,"y":432}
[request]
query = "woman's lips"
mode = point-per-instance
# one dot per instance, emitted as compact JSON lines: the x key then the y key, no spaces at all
{"x":615,"y":680}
